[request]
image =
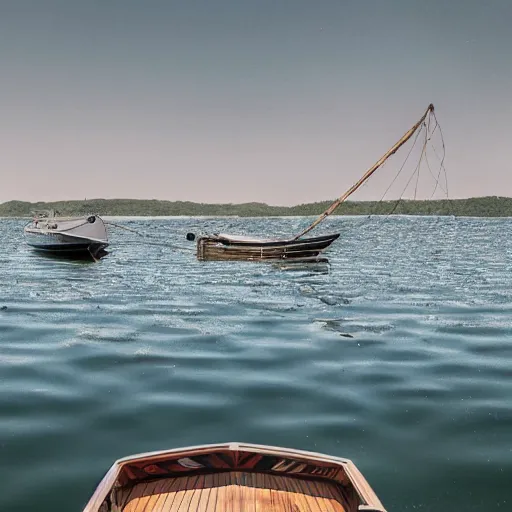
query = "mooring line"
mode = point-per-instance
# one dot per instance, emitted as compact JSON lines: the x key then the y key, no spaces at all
{"x":145,"y":235}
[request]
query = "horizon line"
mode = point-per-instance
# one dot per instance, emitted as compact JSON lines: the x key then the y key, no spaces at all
{"x":248,"y":202}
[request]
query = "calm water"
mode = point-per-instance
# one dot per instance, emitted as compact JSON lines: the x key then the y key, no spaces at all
{"x":150,"y":349}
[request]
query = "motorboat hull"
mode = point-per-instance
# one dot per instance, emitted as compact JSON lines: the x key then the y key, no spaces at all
{"x":67,"y":247}
{"x":69,"y":238}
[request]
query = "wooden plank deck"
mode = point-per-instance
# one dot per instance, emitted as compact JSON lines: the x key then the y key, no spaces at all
{"x":233,"y":492}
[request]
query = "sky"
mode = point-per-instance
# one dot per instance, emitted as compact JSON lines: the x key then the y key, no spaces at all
{"x":276,"y":101}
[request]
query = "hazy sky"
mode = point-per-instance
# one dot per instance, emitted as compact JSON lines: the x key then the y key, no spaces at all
{"x":257,"y":100}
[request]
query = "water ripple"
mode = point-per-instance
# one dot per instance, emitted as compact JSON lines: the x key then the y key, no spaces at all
{"x":397,"y":355}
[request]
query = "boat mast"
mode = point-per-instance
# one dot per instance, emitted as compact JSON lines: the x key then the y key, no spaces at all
{"x":368,"y":173}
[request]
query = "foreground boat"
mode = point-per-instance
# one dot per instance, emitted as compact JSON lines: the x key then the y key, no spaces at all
{"x":71,"y":237}
{"x":234,"y":477}
{"x":227,"y":247}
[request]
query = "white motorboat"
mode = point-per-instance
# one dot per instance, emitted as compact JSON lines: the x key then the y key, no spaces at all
{"x":68,"y":236}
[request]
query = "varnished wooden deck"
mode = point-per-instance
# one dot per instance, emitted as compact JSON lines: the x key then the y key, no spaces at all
{"x":233,"y":492}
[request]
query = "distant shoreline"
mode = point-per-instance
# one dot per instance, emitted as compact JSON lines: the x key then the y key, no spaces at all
{"x":472,"y":207}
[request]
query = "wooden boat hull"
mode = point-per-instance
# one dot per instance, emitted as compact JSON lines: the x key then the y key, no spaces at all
{"x":220,"y":248}
{"x":234,"y":477}
{"x":69,"y":238}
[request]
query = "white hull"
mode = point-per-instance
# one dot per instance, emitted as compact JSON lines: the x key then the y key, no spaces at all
{"x":68,"y":235}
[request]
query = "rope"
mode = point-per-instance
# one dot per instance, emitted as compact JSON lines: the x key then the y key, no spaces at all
{"x":145,"y":235}
{"x":57,"y":219}
{"x":367,"y":174}
{"x":438,"y":125}
{"x":428,"y":134}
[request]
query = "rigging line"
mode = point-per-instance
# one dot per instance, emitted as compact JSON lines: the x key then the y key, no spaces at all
{"x":438,"y":184}
{"x":421,"y":158}
{"x":428,"y":163}
{"x":437,"y":180}
{"x":444,"y":152}
{"x":416,"y":185}
{"x":416,"y":171}
{"x":445,"y":180}
{"x":379,"y":202}
{"x":403,"y":165}
{"x":405,"y":188}
{"x":400,"y":198}
{"x":423,"y":153}
{"x":435,"y":127}
{"x":367,"y":174}
{"x":435,"y":152}
{"x":441,"y":169}
{"x":395,"y":178}
{"x":441,"y":160}
{"x":393,"y":209}
{"x":397,"y":202}
{"x":438,"y":124}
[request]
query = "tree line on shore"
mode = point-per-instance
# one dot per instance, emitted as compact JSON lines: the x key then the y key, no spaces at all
{"x":471,"y":207}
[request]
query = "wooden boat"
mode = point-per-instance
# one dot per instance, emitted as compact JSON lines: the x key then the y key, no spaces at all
{"x":228,"y":247}
{"x":71,"y":237}
{"x":233,"y":477}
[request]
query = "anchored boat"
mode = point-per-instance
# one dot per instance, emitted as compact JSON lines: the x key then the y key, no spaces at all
{"x":228,"y":247}
{"x":72,"y":237}
{"x":235,"y":477}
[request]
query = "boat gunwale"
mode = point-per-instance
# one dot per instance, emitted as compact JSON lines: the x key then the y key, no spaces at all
{"x":275,"y":249}
{"x":370,"y":500}
{"x":28,"y":228}
{"x":45,"y":232}
{"x":270,"y":243}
